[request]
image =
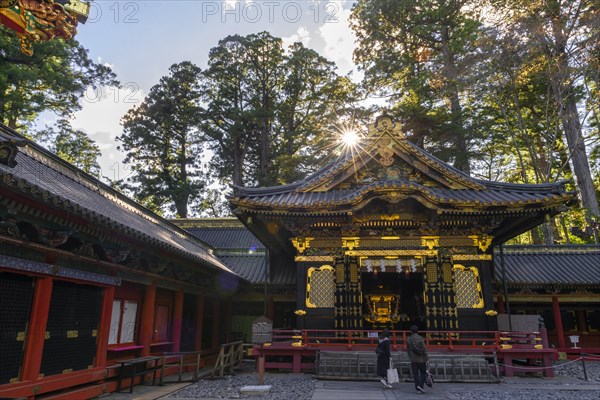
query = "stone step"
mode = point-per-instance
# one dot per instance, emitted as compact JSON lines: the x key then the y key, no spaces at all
{"x":443,"y":367}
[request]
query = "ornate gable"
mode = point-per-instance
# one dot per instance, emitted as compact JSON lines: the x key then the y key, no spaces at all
{"x":386,"y":155}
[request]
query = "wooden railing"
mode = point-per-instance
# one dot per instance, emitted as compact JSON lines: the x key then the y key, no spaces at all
{"x":448,"y":340}
{"x":230,"y":358}
{"x":182,"y":360}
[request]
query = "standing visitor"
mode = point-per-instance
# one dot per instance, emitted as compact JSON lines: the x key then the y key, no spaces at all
{"x":418,"y":358}
{"x":383,"y":357}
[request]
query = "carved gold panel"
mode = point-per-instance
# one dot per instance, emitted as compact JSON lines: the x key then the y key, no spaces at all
{"x":320,"y":287}
{"x":467,"y":287}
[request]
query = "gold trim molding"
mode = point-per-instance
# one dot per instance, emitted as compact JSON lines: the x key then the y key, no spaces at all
{"x":430,"y":241}
{"x":314,"y":258}
{"x":301,"y":243}
{"x":482,"y":241}
{"x":384,"y":253}
{"x":472,"y":257}
{"x":350,"y":242}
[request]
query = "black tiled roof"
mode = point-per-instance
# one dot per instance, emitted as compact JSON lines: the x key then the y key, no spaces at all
{"x":236,"y":246}
{"x":493,"y":197}
{"x":250,"y":267}
{"x":228,"y":237}
{"x":48,"y":178}
{"x":459,"y":188}
{"x":547,"y":265}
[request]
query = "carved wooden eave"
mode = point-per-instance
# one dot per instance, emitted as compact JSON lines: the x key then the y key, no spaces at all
{"x":388,"y":178}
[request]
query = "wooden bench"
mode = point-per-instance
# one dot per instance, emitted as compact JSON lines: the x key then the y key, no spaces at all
{"x":182,"y":360}
{"x":138,"y":367}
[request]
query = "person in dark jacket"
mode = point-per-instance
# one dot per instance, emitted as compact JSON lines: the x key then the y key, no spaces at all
{"x":418,"y":358}
{"x":383,"y":357}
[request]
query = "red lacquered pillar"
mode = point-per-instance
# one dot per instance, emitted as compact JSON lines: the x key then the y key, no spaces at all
{"x":560,"y":335}
{"x":36,"y":332}
{"x":177,"y":317}
{"x":216,"y":331}
{"x":147,"y":325}
{"x":199,"y":322}
{"x":104,"y":327}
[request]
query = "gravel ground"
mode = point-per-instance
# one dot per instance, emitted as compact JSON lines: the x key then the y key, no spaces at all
{"x":284,"y":386}
{"x":528,"y":394}
{"x":575,"y":369}
{"x":301,"y":387}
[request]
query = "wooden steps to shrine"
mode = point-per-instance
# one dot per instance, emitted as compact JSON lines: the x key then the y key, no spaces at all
{"x":362,"y":365}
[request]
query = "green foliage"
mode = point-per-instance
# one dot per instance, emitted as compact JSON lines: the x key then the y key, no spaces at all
{"x":73,"y":146}
{"x":270,"y":112}
{"x":54,"y":79}
{"x":163,"y":143}
{"x":420,"y":53}
{"x":211,"y":204}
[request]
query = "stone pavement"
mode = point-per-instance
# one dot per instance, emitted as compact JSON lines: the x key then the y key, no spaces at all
{"x":370,"y":390}
{"x":337,"y":390}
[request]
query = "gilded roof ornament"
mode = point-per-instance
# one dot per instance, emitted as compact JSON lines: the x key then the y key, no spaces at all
{"x":385,"y":125}
{"x":35,"y":21}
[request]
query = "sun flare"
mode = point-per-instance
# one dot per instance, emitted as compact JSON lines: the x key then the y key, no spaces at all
{"x":349,"y":137}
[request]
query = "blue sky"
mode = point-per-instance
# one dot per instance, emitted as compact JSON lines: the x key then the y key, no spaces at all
{"x":141,"y":39}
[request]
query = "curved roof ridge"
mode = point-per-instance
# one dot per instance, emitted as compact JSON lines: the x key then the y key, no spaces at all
{"x":523,"y":186}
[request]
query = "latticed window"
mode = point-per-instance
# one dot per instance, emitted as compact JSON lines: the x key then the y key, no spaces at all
{"x":593,"y":319}
{"x":467,"y":287}
{"x":320,"y":287}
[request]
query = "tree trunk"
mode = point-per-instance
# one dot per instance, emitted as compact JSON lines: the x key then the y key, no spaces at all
{"x":263,"y":175}
{"x":548,"y":231}
{"x":238,"y":161}
{"x":461,"y":155}
{"x":181,"y":205}
{"x":561,"y":80}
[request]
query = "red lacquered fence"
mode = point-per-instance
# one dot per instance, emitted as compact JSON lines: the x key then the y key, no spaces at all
{"x":438,"y":341}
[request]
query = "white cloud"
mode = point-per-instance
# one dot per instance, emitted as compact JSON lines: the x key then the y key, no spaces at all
{"x":100,"y":118}
{"x":339,"y":41}
{"x":302,"y":35}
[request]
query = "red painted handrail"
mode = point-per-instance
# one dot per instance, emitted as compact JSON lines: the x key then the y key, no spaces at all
{"x":450,"y":340}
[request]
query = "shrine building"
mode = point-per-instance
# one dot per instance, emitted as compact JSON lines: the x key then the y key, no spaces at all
{"x":390,"y":236}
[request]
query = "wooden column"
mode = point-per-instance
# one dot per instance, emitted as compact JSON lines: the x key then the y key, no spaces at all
{"x":176,"y":323}
{"x":581,"y":324}
{"x":216,"y":331}
{"x":147,"y":325}
{"x":271,"y":308}
{"x":36,"y":332}
{"x":228,"y":319}
{"x":199,"y":321}
{"x":500,"y":304}
{"x":560,"y":335}
{"x":104,"y":328}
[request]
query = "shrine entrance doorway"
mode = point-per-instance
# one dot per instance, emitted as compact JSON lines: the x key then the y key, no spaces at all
{"x":392,"y":300}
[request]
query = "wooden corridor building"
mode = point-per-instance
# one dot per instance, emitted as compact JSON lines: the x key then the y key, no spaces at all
{"x":88,"y":276}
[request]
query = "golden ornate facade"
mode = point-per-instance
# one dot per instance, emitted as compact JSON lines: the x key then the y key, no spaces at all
{"x":409,"y":238}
